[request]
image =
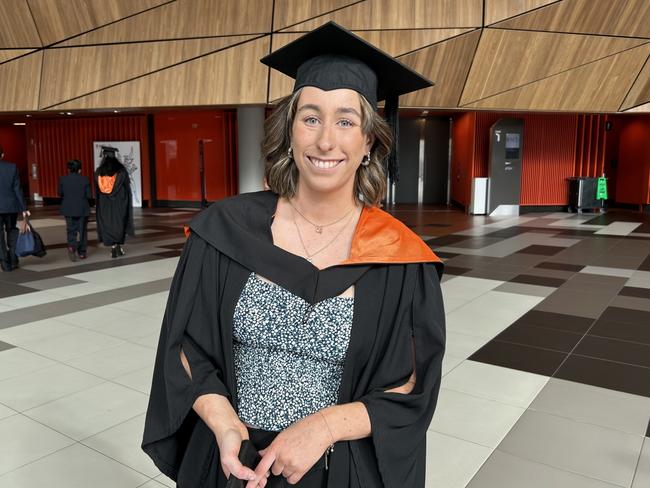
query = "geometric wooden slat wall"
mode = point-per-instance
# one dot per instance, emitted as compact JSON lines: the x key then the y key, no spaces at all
{"x":566,"y":55}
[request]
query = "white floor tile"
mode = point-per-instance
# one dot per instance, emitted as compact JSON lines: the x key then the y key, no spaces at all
{"x":463,"y":345}
{"x":6,"y":411}
{"x":451,"y":462}
{"x":138,"y":380}
{"x":91,"y":411}
{"x":76,"y":466}
{"x":152,"y":484}
{"x":122,"y":443}
{"x":642,"y":475}
{"x":30,"y":299}
{"x":449,"y":362}
{"x":516,"y":388}
{"x":24,"y":441}
{"x":473,"y":419}
{"x":115,"y":361}
{"x":16,"y":362}
{"x":600,"y":270}
{"x":166,"y":481}
{"x":38,"y":387}
{"x":619,"y":228}
{"x":640,"y":279}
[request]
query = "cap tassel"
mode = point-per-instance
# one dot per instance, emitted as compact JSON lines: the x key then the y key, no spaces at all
{"x":391,"y":113}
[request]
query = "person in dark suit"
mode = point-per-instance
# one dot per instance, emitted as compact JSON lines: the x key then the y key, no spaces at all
{"x":12,"y":202}
{"x":74,"y":189}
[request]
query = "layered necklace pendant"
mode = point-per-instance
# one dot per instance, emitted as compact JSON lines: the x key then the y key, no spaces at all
{"x":319,"y":229}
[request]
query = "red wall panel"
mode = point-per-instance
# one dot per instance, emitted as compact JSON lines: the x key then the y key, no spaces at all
{"x":462,"y":157}
{"x":13,"y":141}
{"x":633,"y":176}
{"x":52,"y":142}
{"x":177,"y":136}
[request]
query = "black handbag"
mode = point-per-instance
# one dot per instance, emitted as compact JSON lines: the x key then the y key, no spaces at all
{"x":249,"y":457}
{"x":39,"y":246}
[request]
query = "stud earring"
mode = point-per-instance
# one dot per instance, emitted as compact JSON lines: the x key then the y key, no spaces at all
{"x":366,"y":160}
{"x":290,"y":153}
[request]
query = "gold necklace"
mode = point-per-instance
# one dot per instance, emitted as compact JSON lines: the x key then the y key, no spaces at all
{"x":319,"y":228}
{"x":310,"y":256}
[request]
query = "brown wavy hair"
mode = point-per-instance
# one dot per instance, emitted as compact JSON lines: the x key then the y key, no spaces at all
{"x":281,"y":173}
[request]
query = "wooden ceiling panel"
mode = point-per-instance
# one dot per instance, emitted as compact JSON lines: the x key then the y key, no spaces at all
{"x":507,"y":59}
{"x":60,"y":19}
{"x":403,"y":14}
{"x":17,"y":28}
{"x":399,"y":42}
{"x":497,"y":10}
{"x":19,"y":83}
{"x":107,"y":65}
{"x":7,"y":54}
{"x":641,"y":108}
{"x":447,"y":64}
{"x":611,"y":17}
{"x":596,"y":87}
{"x":290,"y":12}
{"x":215,"y":79}
{"x":184,"y":19}
{"x":280,"y":85}
{"x":640,"y":91}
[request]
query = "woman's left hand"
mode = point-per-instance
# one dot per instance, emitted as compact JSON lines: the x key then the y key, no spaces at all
{"x":294,"y":451}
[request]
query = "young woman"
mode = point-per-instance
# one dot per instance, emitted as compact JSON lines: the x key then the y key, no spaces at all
{"x":114,"y":205}
{"x":304,"y":318}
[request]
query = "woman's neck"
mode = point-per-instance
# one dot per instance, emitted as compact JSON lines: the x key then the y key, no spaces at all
{"x":322,"y":207}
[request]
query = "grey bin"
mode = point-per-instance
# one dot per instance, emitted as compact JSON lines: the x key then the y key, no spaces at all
{"x":582,"y":194}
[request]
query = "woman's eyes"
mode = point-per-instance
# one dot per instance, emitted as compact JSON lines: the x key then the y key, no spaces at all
{"x":342,"y":123}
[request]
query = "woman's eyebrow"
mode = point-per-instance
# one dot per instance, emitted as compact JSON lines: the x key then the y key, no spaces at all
{"x":309,"y":106}
{"x":348,"y":110}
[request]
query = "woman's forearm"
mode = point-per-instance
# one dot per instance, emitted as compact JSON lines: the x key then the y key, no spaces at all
{"x":347,"y":422}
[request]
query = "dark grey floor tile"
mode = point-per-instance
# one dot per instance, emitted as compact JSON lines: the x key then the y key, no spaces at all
{"x":645,"y":265}
{"x":627,"y":316}
{"x":5,"y":346}
{"x":614,"y":350}
{"x":632,"y":291}
{"x":456,"y":270}
{"x":11,"y":290}
{"x":448,"y":240}
{"x":647,"y":434}
{"x":53,"y":283}
{"x":537,"y":280}
{"x":633,"y":303}
{"x":606,"y":374}
{"x":477,"y":242}
{"x":551,"y":273}
{"x":542,"y":250}
{"x":551,"y":320}
{"x":520,"y":259}
{"x":519,"y":357}
{"x":542,"y":337}
{"x":614,"y":329}
{"x":574,"y":302}
{"x":560,"y":266}
{"x":492,"y":274}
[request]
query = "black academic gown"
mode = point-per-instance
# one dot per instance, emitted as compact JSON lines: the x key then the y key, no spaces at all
{"x":398,"y":309}
{"x":114,"y":210}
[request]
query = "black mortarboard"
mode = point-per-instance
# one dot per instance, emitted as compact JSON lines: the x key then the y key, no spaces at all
{"x":332,"y":57}
{"x":108,"y":151}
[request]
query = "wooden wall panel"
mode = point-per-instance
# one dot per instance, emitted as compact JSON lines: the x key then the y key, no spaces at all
{"x":60,"y":19}
{"x":19,"y":81}
{"x":216,"y":79}
{"x":98,"y":63}
{"x":599,"y":86}
{"x":7,"y":54}
{"x":403,"y":14}
{"x":290,"y":12}
{"x":609,"y":17}
{"x":502,"y":61}
{"x":497,"y":10}
{"x":447,"y":65}
{"x":17,"y":28}
{"x":186,"y":19}
{"x":640,"y":91}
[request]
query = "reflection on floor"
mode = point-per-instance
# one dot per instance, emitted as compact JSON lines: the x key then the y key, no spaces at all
{"x":546,"y":377}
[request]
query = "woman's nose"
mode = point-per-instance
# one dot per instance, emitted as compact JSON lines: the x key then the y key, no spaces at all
{"x":326,"y":139}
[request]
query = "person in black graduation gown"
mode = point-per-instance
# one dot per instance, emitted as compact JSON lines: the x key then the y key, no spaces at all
{"x":114,"y":207}
{"x":317,"y":236}
{"x":74,"y":190}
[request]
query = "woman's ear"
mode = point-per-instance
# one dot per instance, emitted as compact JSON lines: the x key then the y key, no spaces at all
{"x":370,"y":141}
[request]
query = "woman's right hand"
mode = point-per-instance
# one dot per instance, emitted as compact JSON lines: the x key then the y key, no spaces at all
{"x":229,"y":431}
{"x":229,"y":440}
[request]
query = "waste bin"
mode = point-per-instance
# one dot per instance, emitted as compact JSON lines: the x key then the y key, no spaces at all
{"x":583,"y":192}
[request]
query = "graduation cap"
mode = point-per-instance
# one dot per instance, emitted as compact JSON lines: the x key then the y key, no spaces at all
{"x":331,"y":57}
{"x":109,"y":151}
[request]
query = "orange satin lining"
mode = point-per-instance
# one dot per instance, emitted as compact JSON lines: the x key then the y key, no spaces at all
{"x":106,"y":183}
{"x":381,"y":238}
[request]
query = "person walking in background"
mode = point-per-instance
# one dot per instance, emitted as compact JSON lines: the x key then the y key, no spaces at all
{"x":114,"y":205}
{"x":12,"y":202}
{"x":74,"y":190}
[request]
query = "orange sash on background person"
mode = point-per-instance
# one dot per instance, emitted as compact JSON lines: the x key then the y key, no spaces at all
{"x":106,"y":183}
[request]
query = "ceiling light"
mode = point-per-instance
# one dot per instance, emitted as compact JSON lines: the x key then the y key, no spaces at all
{"x":20,"y":123}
